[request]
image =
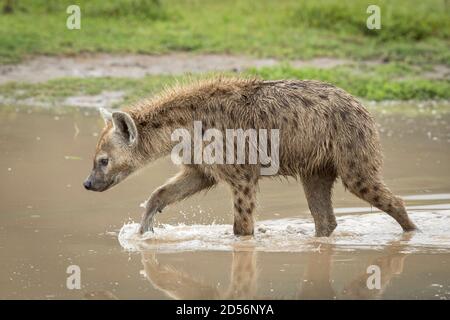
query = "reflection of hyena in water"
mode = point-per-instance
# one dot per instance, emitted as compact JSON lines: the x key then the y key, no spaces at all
{"x":324,"y":134}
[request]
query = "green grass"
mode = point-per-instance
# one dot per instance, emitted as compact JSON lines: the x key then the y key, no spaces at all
{"x":55,"y":91}
{"x":393,"y":81}
{"x":413,"y":31}
{"x":382,"y":82}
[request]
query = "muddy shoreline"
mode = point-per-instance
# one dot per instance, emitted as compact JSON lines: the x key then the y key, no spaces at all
{"x":40,"y":69}
{"x":45,"y":68}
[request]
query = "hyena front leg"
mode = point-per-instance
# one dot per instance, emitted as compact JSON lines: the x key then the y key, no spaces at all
{"x":184,"y":184}
{"x":244,"y":200}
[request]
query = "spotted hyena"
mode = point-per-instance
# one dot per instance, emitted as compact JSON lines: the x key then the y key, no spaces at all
{"x":324,"y":133}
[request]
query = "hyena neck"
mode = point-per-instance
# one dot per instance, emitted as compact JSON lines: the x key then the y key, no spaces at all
{"x":157,"y":119}
{"x":155,"y":128}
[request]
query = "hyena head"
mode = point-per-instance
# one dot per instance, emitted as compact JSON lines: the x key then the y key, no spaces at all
{"x":115,"y":156}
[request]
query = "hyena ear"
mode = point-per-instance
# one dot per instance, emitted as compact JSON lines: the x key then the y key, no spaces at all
{"x":106,"y":115}
{"x":124,"y":125}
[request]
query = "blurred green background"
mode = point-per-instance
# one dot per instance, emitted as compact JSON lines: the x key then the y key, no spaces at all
{"x":413,"y":39}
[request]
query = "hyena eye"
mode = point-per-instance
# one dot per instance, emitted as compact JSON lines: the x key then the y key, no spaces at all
{"x":104,"y":162}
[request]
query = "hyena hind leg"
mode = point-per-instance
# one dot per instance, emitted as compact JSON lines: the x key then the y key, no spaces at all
{"x":375,"y":192}
{"x":318,"y":194}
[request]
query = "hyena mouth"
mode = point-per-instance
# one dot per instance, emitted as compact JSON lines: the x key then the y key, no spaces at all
{"x":104,"y":186}
{"x":108,"y":186}
{"x":119,"y":177}
{"x":101,"y":188}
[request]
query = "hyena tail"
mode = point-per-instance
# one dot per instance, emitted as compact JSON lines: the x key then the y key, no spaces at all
{"x":360,"y":173}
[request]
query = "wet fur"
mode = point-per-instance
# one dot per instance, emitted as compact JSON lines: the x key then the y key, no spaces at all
{"x":325,"y":133}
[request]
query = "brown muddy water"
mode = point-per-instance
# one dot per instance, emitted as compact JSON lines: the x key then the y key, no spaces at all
{"x":48,"y":222}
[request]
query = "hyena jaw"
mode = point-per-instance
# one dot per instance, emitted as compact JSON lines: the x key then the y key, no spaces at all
{"x":325,"y":134}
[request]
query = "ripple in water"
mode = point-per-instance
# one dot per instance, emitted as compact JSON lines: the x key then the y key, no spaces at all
{"x":365,"y":231}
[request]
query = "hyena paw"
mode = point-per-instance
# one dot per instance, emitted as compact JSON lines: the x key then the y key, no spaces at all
{"x":145,"y":226}
{"x":325,"y":229}
{"x":243,"y":229}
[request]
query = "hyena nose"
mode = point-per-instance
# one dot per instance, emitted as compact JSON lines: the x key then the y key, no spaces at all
{"x":87,"y":184}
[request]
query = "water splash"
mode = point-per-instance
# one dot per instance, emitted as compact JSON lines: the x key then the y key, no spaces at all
{"x":365,"y":231}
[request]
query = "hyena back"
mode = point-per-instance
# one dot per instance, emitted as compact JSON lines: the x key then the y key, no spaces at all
{"x":324,"y":133}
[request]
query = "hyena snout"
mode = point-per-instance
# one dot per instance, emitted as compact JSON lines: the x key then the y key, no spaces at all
{"x":92,"y":184}
{"x":87,"y":184}
{"x":95,"y":183}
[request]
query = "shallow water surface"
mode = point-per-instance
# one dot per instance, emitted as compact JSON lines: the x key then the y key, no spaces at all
{"x":49,"y":222}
